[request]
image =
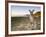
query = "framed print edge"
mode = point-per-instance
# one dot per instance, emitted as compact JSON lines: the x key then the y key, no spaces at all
{"x":6,"y":18}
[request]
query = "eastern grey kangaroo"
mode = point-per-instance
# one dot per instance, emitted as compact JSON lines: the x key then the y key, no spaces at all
{"x":34,"y":21}
{"x":31,"y":18}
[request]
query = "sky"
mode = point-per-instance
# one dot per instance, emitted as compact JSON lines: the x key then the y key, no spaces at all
{"x":22,"y":10}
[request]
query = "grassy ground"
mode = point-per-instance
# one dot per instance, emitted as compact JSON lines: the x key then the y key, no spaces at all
{"x":22,"y":23}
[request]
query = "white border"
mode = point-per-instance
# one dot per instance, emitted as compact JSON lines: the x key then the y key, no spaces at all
{"x":22,"y":32}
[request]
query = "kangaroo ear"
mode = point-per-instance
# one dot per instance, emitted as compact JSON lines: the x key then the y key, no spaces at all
{"x":33,"y":10}
{"x":30,"y":11}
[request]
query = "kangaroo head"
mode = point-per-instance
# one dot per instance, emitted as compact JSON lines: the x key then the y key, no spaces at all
{"x":31,"y":12}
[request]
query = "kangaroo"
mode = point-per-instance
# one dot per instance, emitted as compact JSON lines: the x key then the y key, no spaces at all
{"x":31,"y":18}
